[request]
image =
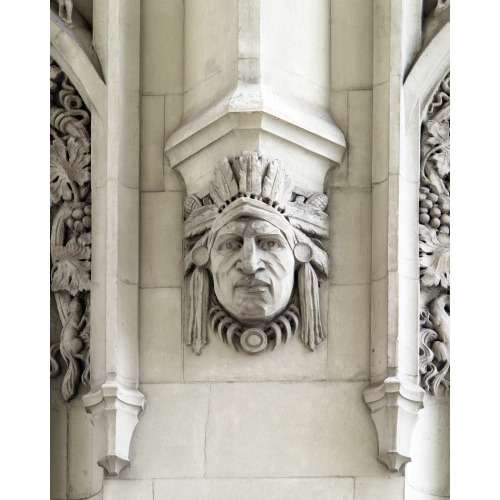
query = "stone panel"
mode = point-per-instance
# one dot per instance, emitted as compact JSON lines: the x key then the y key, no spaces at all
{"x":162,"y":46}
{"x":174,"y":105}
{"x":352,"y":44}
{"x":84,"y":475}
{"x":291,"y":361}
{"x":169,"y":440}
{"x":160,"y":338}
{"x":252,"y":489}
{"x":58,"y":443}
{"x":152,"y":142}
{"x":379,"y":488}
{"x":349,"y":332}
{"x":290,"y":429}
{"x":161,"y":240}
{"x":127,"y":490}
{"x":360,"y":137}
{"x":350,"y":233}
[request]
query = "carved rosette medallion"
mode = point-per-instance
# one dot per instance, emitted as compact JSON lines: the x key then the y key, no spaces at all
{"x":254,"y":254}
{"x":434,"y":246}
{"x":70,"y":238}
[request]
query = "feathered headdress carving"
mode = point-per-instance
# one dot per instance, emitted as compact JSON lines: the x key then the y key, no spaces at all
{"x":253,"y":187}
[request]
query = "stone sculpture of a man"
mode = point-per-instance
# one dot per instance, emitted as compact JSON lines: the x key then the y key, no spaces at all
{"x":249,"y":242}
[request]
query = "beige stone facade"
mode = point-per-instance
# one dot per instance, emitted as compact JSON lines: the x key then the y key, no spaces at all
{"x":338,"y":90}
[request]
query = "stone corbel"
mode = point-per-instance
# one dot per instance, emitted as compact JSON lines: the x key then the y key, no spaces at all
{"x":234,"y":100}
{"x":394,"y":409}
{"x":115,"y":413}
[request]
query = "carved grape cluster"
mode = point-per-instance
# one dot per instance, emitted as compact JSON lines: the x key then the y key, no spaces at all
{"x":80,"y":220}
{"x":434,"y":210}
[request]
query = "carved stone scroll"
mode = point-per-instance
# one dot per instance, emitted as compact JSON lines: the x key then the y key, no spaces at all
{"x":434,"y":360}
{"x":254,"y":253}
{"x":70,"y":240}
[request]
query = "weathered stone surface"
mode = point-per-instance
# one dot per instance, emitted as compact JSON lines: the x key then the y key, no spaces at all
{"x":170,"y":438}
{"x":127,"y":489}
{"x":360,"y":137}
{"x":350,"y":216}
{"x":161,"y":249}
{"x":251,"y":489}
{"x":162,"y":47}
{"x":290,"y":362}
{"x":152,"y":142}
{"x":349,"y":314}
{"x":351,"y":44}
{"x":160,"y":336}
{"x":84,"y":475}
{"x":379,"y":488}
{"x":431,"y":443}
{"x":295,"y":429}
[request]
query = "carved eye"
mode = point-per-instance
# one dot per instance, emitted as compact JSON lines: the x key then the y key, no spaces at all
{"x":230,"y":246}
{"x":268,"y":244}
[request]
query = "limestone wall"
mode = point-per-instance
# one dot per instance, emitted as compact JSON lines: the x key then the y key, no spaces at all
{"x":288,"y":424}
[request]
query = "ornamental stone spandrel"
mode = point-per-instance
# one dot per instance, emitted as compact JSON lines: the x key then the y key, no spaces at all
{"x":254,"y":255}
{"x":434,"y":245}
{"x":70,"y":238}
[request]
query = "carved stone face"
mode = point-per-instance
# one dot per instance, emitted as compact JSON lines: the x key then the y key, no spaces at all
{"x":252,"y":266}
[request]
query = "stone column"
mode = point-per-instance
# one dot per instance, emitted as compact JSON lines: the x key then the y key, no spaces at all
{"x":114,"y":400}
{"x":394,"y":396}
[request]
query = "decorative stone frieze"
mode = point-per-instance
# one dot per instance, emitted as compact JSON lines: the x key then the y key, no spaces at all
{"x":254,"y":253}
{"x":434,"y":244}
{"x":70,"y":241}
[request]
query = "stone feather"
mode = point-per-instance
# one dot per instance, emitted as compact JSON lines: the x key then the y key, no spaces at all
{"x":250,"y":174}
{"x":276,"y":188}
{"x":224,"y":187}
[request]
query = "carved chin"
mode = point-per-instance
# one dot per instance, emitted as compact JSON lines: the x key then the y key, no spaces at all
{"x":256,"y":306}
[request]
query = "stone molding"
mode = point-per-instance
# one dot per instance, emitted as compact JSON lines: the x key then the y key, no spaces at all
{"x":251,"y":108}
{"x":72,"y":47}
{"x":394,"y":396}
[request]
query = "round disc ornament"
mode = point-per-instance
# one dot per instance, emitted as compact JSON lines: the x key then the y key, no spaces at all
{"x":253,"y":340}
{"x":201,"y":256}
{"x":303,"y":252}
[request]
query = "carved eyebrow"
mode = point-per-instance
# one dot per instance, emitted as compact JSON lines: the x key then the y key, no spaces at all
{"x":236,"y":230}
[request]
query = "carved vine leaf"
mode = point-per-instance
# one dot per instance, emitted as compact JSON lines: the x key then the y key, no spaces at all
{"x":436,"y":163}
{"x":434,"y":258}
{"x":439,"y":138}
{"x":71,"y":269}
{"x":69,"y":168}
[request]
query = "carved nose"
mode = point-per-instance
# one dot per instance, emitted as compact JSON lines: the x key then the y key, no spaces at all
{"x":250,"y":262}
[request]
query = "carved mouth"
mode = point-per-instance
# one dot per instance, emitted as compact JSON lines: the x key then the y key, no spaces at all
{"x":254,"y":286}
{"x":256,"y":289}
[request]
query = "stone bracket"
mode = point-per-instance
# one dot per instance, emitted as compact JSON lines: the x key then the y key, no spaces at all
{"x":114,"y":411}
{"x":394,"y":407}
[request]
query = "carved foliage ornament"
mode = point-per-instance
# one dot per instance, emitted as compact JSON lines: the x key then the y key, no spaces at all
{"x":254,"y":256}
{"x":435,"y":244}
{"x":70,"y":239}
